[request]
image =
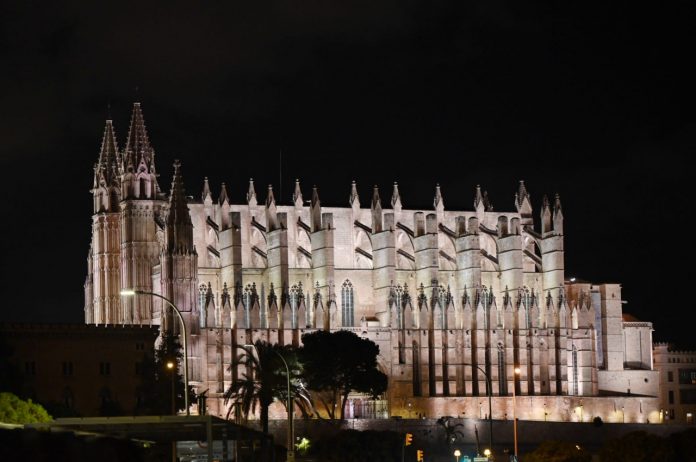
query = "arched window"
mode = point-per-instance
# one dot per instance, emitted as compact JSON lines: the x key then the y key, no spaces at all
{"x":502,"y":376}
{"x":527,"y":302}
{"x":347,"y":304}
{"x":575,"y":387}
{"x":295,"y":299}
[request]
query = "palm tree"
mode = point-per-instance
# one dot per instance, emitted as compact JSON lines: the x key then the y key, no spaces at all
{"x":264,"y":380}
{"x":452,"y":430}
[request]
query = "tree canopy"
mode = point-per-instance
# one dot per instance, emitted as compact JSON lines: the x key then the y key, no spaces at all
{"x":338,"y":363}
{"x":14,"y":410}
{"x":264,"y":379}
{"x":155,"y":389}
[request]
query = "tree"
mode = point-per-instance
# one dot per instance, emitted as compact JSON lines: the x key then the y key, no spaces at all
{"x":338,"y":363}
{"x":263,"y":380}
{"x":155,"y":390}
{"x":558,"y":451}
{"x":452,"y":430}
{"x":637,"y":447}
{"x":17,"y":411}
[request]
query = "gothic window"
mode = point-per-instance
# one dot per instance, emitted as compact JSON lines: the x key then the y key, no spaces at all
{"x":442,"y":301}
{"x":502,"y":376}
{"x":294,"y":304}
{"x":575,"y":387}
{"x":398,"y":298}
{"x":486,"y":306}
{"x":416,"y":370}
{"x":247,"y":300}
{"x":347,"y":304}
{"x":527,"y":302}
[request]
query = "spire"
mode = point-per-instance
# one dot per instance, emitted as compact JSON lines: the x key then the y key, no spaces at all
{"x":376,"y":201}
{"x":270,"y":199}
{"x":137,"y":152}
{"x":179,"y":227}
{"x":297,"y":195}
{"x":354,"y":200}
{"x":478,"y":197}
{"x":251,"y":194}
{"x":106,"y":173}
{"x":396,"y":198}
{"x":522,"y":200}
{"x":557,"y":209}
{"x":488,"y":205}
{"x":557,"y":215}
{"x":315,"y":210}
{"x":108,"y":154}
{"x":376,"y":207}
{"x":205,"y":195}
{"x":223,"y":194}
{"x":545,"y":215}
{"x":438,"y":203}
{"x":107,"y":166}
{"x":271,"y":211}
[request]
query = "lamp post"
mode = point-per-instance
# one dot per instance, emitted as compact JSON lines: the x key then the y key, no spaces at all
{"x":291,"y":429}
{"x":514,"y":409}
{"x":489,"y":392}
{"x":457,"y":453}
{"x":170,"y":366}
{"x":132,"y":293}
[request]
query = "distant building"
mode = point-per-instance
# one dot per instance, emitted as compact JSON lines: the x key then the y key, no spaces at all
{"x":84,"y":369}
{"x":677,"y":383}
{"x":451,"y":297}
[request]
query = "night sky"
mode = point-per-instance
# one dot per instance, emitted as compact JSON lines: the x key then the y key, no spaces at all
{"x":591,"y":100}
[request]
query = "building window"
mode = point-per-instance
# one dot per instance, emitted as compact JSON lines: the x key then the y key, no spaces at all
{"x":575,"y":390}
{"x":104,"y":368}
{"x":30,"y":368}
{"x":502,"y":376}
{"x":687,"y":376}
{"x":140,"y":346}
{"x":347,"y":306}
{"x":670,"y":398}
{"x":138,"y":368}
{"x":670,"y":376}
{"x":296,"y":298}
{"x":687,"y":396}
{"x":67,"y":368}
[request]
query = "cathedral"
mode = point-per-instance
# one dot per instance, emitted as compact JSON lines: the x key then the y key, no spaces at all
{"x":456,"y":300}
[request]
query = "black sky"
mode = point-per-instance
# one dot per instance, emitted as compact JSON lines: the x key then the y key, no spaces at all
{"x":594,"y":101}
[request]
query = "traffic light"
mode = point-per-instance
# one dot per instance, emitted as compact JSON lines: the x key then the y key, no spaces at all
{"x":419,"y":455}
{"x":409,"y":439}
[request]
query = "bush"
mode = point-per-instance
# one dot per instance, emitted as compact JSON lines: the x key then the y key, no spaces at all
{"x":16,"y":411}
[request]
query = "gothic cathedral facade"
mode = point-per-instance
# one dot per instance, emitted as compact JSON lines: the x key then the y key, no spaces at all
{"x":454,"y":299}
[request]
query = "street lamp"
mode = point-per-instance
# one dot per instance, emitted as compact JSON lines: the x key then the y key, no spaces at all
{"x":514,"y":409}
{"x":457,"y":453}
{"x":132,"y":293}
{"x":170,"y":366}
{"x":489,"y":392}
{"x":291,"y":429}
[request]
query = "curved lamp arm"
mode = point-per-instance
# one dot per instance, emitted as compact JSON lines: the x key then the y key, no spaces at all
{"x":132,"y":293}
